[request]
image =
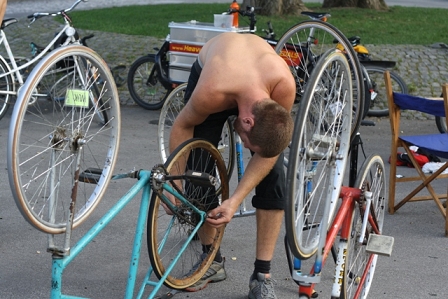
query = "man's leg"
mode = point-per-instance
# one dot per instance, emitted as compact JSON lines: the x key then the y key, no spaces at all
{"x":269,"y":200}
{"x":269,"y":223}
{"x":210,"y":130}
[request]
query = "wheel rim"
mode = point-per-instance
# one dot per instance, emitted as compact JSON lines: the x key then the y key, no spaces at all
{"x":371,"y":178}
{"x":172,"y":231}
{"x":144,"y":85}
{"x":51,"y":140}
{"x":301,"y":54}
{"x":317,"y":162}
{"x":379,"y":105}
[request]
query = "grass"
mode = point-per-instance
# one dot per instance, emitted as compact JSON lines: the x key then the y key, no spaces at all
{"x":398,"y":25}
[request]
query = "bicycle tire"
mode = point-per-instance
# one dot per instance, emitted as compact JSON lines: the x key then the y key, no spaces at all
{"x":302,"y":55}
{"x":120,"y":75}
{"x":318,"y":153}
{"x":441,"y":124}
{"x":172,"y":106}
{"x":144,"y":84}
{"x":54,"y":145}
{"x":167,"y":233}
{"x":359,"y":272}
{"x":174,"y":103}
{"x":379,"y":106}
{"x":6,"y":85}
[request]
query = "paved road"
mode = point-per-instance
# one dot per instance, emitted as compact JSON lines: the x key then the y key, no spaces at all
{"x":415,"y":270}
{"x":418,"y":3}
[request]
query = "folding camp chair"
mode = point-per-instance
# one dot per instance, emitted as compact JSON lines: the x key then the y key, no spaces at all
{"x":436,"y":144}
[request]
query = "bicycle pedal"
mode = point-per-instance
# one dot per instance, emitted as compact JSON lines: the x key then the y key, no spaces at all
{"x":90,"y":175}
{"x":380,"y":244}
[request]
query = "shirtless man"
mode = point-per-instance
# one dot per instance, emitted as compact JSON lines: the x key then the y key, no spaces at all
{"x":240,"y":74}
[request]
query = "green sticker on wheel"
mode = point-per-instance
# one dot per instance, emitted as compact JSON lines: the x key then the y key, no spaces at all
{"x":77,"y":98}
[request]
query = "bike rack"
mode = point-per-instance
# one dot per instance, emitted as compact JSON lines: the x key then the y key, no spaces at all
{"x":60,"y":262}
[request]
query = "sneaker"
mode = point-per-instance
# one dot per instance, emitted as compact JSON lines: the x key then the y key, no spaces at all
{"x":261,"y":287}
{"x":215,"y":273}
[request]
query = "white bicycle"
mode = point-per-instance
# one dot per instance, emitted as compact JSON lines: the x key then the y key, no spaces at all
{"x":14,"y":70}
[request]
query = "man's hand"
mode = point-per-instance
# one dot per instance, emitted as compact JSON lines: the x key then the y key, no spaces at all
{"x":221,"y":215}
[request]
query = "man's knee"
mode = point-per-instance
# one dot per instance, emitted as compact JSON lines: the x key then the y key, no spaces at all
{"x":268,"y":203}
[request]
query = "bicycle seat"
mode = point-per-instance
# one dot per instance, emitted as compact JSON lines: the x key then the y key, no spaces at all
{"x":7,"y":22}
{"x":315,"y":15}
{"x":354,"y":40}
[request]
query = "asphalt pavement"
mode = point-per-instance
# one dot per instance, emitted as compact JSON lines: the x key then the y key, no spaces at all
{"x":416,"y":268}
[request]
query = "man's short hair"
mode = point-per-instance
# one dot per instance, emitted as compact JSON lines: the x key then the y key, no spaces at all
{"x":273,"y":127}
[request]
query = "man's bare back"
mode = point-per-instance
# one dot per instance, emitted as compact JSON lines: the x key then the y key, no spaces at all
{"x":239,"y":69}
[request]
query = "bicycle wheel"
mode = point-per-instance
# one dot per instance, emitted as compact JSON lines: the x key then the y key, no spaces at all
{"x":173,"y":104}
{"x":360,"y":265}
{"x":302,"y":46}
{"x":441,"y":124}
{"x":168,"y":233}
{"x":57,"y":151}
{"x":378,"y":105}
{"x":318,"y":153}
{"x":171,"y":108}
{"x":144,"y":84}
{"x":6,"y":85}
{"x":119,"y":73}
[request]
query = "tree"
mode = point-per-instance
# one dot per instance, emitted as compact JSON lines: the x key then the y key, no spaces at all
{"x":294,"y":7}
{"x":276,"y":7}
{"x":371,"y":4}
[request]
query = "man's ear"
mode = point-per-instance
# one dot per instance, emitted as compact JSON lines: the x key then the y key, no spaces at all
{"x":248,"y":123}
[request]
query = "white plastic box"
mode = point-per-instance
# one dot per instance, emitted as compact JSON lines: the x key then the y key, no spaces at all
{"x":196,"y":32}
{"x":223,"y":21}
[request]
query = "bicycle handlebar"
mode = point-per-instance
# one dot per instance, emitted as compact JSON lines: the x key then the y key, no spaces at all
{"x":63,"y":12}
{"x":316,"y":15}
{"x":249,"y":12}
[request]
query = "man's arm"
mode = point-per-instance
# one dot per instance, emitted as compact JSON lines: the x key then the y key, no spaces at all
{"x":257,"y":169}
{"x":183,"y":127}
{"x":196,"y":110}
{"x":2,"y":9}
